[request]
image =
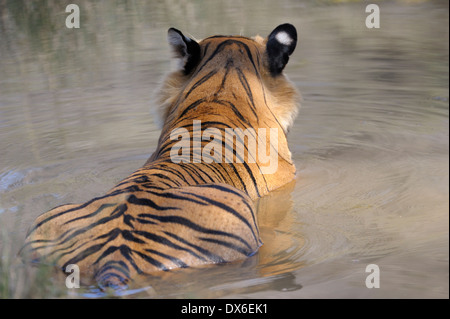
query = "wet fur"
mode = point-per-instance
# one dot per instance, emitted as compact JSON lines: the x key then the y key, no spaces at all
{"x":168,"y":215}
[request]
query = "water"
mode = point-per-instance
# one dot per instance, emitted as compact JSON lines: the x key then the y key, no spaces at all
{"x":371,"y":143}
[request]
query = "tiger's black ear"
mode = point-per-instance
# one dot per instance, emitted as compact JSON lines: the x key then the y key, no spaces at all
{"x":185,"y":49}
{"x":280,"y":45}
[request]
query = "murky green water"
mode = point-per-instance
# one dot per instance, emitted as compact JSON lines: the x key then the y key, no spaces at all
{"x":370,"y":144}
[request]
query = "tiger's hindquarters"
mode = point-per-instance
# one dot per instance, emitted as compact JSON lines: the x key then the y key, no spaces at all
{"x":181,"y":227}
{"x":115,"y":237}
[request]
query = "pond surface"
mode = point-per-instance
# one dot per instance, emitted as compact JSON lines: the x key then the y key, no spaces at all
{"x":371,"y":142}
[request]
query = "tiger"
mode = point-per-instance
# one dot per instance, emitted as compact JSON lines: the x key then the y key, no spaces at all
{"x":173,"y":214}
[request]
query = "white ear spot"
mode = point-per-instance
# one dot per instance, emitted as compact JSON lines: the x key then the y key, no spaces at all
{"x":283,"y":38}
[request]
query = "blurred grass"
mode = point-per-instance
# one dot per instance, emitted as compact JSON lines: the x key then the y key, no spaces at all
{"x":19,"y":280}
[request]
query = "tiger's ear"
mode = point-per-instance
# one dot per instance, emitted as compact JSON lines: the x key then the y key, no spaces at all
{"x":185,"y":49}
{"x":280,"y":45}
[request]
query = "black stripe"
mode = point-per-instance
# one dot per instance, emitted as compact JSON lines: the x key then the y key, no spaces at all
{"x":99,"y":210}
{"x":244,"y":82}
{"x":126,"y":234}
{"x":59,"y":214}
{"x":228,"y":66}
{"x":212,"y":257}
{"x":217,"y":172}
{"x":187,"y":223}
{"x":132,"y":188}
{"x":204,"y":173}
{"x":225,"y":36}
{"x":235,"y":145}
{"x":229,"y":210}
{"x":175,"y":260}
{"x":124,"y":251}
{"x":192,"y":173}
{"x":229,"y":190}
{"x":150,"y":186}
{"x":111,"y":235}
{"x":239,"y":177}
{"x":54,"y":252}
{"x":119,"y":266}
{"x":166,"y":242}
{"x":168,"y":185}
{"x":191,"y":106}
{"x":128,"y":219}
{"x":105,"y":279}
{"x":166,"y":168}
{"x":227,"y":244}
{"x":152,"y":261}
{"x":221,"y":47}
{"x":111,"y":194}
{"x":85,"y":253}
{"x":166,"y":194}
{"x":234,"y":109}
{"x":200,"y":82}
{"x":249,"y":171}
{"x":197,"y":171}
{"x":132,"y":199}
{"x":119,"y":211}
{"x":162,"y":176}
{"x":219,"y":167}
{"x":167,"y":143}
{"x":205,"y":50}
{"x":250,"y":56}
{"x":147,"y":222}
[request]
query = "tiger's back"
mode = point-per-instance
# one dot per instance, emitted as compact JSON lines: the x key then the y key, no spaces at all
{"x":192,"y":202}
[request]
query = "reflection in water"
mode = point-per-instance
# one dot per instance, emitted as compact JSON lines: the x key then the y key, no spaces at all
{"x":370,"y":144}
{"x":281,"y":233}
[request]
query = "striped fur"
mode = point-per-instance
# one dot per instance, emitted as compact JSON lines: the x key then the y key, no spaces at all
{"x":168,"y":215}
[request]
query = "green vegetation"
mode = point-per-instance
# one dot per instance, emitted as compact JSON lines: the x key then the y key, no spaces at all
{"x":19,"y":280}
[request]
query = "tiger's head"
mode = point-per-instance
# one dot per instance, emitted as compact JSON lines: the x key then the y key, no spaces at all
{"x":257,"y":62}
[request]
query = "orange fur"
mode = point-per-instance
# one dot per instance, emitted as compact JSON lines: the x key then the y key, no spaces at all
{"x":166,"y":214}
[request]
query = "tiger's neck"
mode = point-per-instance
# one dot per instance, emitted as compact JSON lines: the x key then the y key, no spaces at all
{"x":223,"y":119}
